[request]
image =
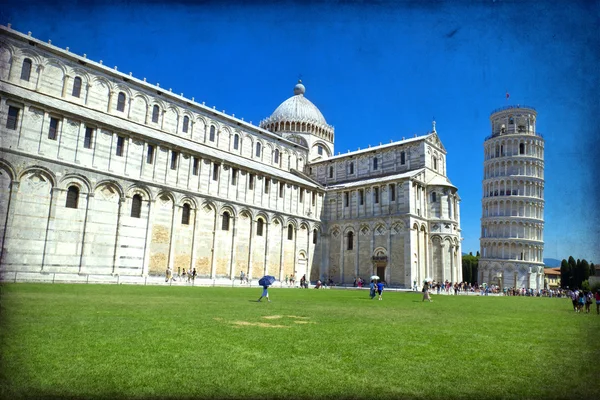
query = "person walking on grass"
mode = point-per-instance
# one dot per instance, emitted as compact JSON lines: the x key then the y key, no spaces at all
{"x":598,"y":301}
{"x":265,"y":293}
{"x":372,"y":289}
{"x":426,"y":292}
{"x":379,"y":288}
{"x":588,"y":301}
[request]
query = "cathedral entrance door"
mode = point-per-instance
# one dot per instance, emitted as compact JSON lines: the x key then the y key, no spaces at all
{"x":380,"y":271}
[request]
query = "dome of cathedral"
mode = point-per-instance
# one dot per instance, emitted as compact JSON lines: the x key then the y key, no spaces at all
{"x":298,"y":109}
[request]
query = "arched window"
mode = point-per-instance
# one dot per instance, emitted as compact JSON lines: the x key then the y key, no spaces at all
{"x":121,"y":102}
{"x":186,"y":124}
{"x":212,"y":133}
{"x":331,"y":172}
{"x":314,"y":236}
{"x":155,"y":111}
{"x":435,"y":163}
{"x":258,"y":148}
{"x":259,"y":227}
{"x":26,"y":69}
{"x":136,"y":206}
{"x":72,"y":197}
{"x":521,"y":148}
{"x":350,"y":241}
{"x":290,"y":232}
{"x":236,"y":141}
{"x":351,"y":168}
{"x":185,"y":214}
{"x":76,"y":87}
{"x":433,"y":197}
{"x":276,"y":157}
{"x":375,"y":163}
{"x":225,"y":221}
{"x":320,"y":150}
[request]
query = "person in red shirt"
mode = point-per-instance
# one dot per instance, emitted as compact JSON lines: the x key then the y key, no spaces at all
{"x":597,"y":301}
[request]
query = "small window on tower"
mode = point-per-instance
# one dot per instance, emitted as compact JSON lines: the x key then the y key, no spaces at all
{"x":87,"y":139}
{"x":186,"y":124}
{"x":185,"y":214}
{"x":72,"y":197}
{"x":76,"y":87}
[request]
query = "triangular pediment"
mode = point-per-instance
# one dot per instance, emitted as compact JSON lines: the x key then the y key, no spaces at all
{"x":434,"y":139}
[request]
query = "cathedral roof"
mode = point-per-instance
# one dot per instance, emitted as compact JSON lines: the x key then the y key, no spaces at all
{"x":298,"y":109}
{"x":380,"y":179}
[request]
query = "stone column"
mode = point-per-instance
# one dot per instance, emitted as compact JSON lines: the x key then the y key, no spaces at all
{"x":452,"y":271}
{"x":111,"y":94}
{"x":126,"y":150}
{"x":283,"y":238}
{"x":266,"y":259}
{"x":295,"y":254}
{"x":54,"y":193}
{"x":149,"y":226}
{"x":87,"y":92}
{"x":443,"y":248}
{"x":40,"y":70}
{"x":172,"y":239}
{"x":10,"y":215}
{"x":356,"y":253}
{"x":86,"y":249}
{"x":194,"y":236}
{"x":116,"y":252}
{"x":213,"y":265}
{"x":233,"y":242}
{"x":249,"y":271}
{"x":65,"y":84}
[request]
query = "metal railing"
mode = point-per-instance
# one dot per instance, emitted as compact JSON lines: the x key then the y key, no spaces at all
{"x":518,"y":106}
{"x":515,"y":132}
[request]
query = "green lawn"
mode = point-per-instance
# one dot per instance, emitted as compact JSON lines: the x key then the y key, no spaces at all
{"x":105,"y":341}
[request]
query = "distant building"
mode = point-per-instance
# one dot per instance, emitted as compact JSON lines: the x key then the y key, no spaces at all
{"x":105,"y":174}
{"x":552,"y":278}
{"x":512,"y":222}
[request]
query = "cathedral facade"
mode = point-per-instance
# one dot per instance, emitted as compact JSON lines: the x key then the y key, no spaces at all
{"x":103,"y":174}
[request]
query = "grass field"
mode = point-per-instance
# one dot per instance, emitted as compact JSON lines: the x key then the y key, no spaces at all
{"x":105,"y":341}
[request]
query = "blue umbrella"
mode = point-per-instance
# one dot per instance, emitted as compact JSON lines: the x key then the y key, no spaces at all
{"x":266,"y":280}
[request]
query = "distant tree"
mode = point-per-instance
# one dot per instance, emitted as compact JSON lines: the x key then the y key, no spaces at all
{"x":469,"y":267}
{"x":466,"y":268}
{"x":477,"y":254}
{"x":585,"y":267}
{"x":592,"y":269}
{"x":565,"y":273}
{"x":471,"y":253}
{"x":572,"y":271}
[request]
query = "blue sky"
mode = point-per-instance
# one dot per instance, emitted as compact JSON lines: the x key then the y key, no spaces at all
{"x":378,"y":71}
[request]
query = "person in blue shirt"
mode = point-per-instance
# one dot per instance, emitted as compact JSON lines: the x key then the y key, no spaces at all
{"x":372,"y":288}
{"x":265,"y":293}
{"x":379,"y":288}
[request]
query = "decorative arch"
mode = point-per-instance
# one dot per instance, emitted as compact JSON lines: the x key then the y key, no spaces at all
{"x":188,"y":199}
{"x":6,"y":166}
{"x":22,"y":53}
{"x":81,"y":181}
{"x":55,"y":63}
{"x":142,"y":190}
{"x":230,"y":209}
{"x":39,"y":170}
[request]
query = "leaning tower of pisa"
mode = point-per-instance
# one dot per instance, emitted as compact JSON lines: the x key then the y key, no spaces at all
{"x":512,"y":221}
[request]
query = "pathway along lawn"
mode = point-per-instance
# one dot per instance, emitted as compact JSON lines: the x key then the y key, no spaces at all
{"x":107,"y":341}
